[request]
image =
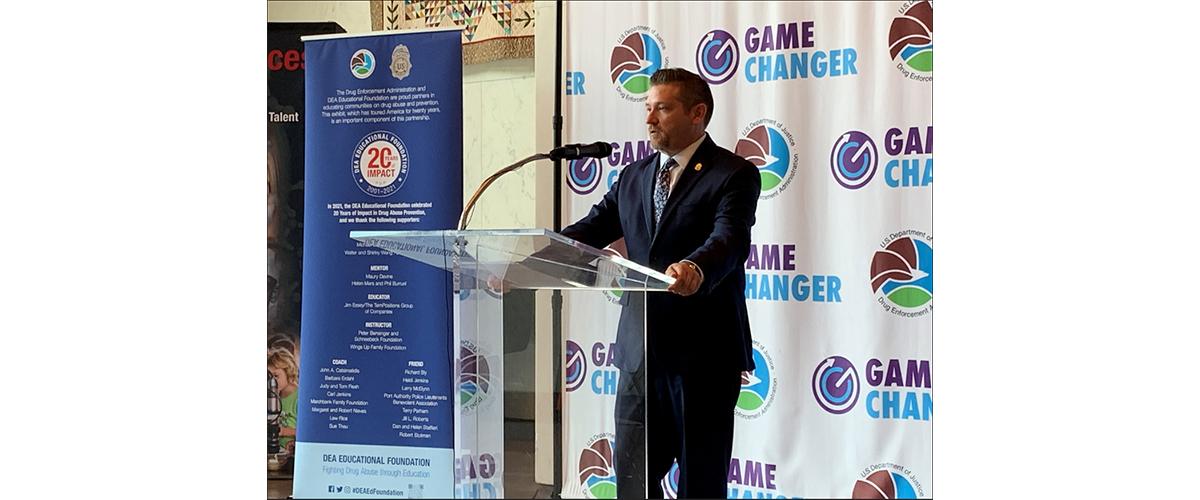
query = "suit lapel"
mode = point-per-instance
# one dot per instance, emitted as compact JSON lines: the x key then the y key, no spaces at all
{"x":687,"y":179}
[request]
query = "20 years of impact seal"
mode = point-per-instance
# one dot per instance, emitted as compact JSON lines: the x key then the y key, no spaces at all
{"x":380,"y":163}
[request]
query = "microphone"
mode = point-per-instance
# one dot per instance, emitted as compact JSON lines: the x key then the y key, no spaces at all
{"x":576,"y":151}
{"x":569,"y":152}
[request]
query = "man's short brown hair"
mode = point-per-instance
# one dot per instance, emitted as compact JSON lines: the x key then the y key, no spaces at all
{"x":693,"y":90}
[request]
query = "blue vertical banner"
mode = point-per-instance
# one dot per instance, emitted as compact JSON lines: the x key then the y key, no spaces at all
{"x":383,"y":151}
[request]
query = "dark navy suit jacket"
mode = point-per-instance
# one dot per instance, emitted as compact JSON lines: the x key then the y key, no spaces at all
{"x":706,"y":220}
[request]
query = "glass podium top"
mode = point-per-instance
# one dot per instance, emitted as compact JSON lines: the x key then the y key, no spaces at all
{"x":522,"y":258}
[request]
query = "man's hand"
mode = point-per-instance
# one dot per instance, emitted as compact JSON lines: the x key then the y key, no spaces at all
{"x":498,"y":285}
{"x":687,"y":278}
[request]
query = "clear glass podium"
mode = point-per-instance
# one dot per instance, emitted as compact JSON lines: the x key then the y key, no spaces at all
{"x":496,"y":417}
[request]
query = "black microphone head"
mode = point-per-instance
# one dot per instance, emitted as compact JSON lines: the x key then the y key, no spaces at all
{"x":601,"y":149}
{"x":598,"y":149}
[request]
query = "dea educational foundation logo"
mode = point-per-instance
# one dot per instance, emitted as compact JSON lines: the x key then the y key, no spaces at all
{"x":380,"y":164}
{"x":637,"y":56}
{"x":902,"y":273}
{"x":583,"y":175}
{"x":597,"y":474}
{"x":574,"y":367}
{"x":362,"y":64}
{"x":854,"y":159}
{"x":758,"y":386}
{"x":835,"y":385}
{"x":474,"y":376}
{"x":910,"y":40}
{"x":769,"y":146}
{"x":717,"y":56}
{"x":887,"y":480}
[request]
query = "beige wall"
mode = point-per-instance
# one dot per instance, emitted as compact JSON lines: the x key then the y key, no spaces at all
{"x":355,"y":17}
{"x":498,"y":112}
{"x":544,"y":70}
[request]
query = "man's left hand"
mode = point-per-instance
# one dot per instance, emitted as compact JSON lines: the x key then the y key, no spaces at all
{"x":687,"y":278}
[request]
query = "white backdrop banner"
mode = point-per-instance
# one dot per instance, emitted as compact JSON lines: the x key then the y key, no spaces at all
{"x":833,"y":102}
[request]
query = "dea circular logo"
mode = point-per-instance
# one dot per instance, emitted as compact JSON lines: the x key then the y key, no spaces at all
{"x":474,"y":376}
{"x":902,"y":274}
{"x":380,"y":163}
{"x":633,"y":60}
{"x":597,"y":472}
{"x":362,"y":64}
{"x":758,"y":386}
{"x":887,"y":480}
{"x":771,"y":148}
{"x":910,"y":39}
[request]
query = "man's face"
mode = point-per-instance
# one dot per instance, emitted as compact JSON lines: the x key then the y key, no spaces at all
{"x":670,"y":125}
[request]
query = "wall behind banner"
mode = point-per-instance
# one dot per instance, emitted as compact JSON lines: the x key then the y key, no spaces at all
{"x":833,"y":102}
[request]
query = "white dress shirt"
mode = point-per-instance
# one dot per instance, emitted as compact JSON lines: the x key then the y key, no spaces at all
{"x":681,"y":160}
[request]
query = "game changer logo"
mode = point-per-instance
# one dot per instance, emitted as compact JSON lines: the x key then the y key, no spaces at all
{"x":717,"y":56}
{"x":896,"y":388}
{"x":670,"y":482}
{"x":637,"y":56}
{"x":835,"y":385}
{"x":854,"y":159}
{"x":575,"y":368}
{"x":907,"y":157}
{"x":748,"y":477}
{"x":583,"y":175}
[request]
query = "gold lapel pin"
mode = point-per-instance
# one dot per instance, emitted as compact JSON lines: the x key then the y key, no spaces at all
{"x":698,"y":166}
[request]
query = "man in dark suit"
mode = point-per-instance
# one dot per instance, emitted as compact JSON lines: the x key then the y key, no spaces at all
{"x":687,"y":209}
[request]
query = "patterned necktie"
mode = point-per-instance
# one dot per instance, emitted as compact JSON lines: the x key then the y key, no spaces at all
{"x":662,"y":188}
